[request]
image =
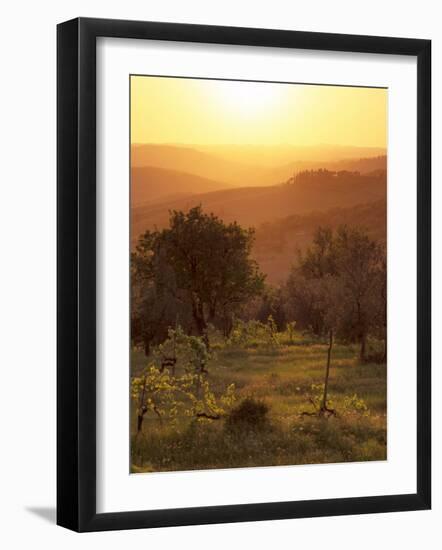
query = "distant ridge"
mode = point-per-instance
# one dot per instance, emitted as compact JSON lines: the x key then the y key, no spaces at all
{"x":278,"y":155}
{"x":189,"y":160}
{"x":251,"y":206}
{"x":151,"y":184}
{"x":251,"y":166}
{"x":277,"y":243}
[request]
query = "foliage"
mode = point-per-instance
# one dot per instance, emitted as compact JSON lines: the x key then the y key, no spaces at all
{"x":208,"y":407}
{"x":310,"y":441}
{"x":355,"y":405}
{"x":182,"y":351}
{"x":245,"y":333}
{"x":172,"y":396}
{"x":282,"y":379}
{"x":340,"y":284}
{"x":348,"y":405}
{"x":254,"y":333}
{"x":290,"y":331}
{"x":249,"y":414}
{"x":316,"y":397}
{"x":271,"y":332}
{"x":362,"y":270}
{"x":155,"y":391}
{"x":156,"y":303}
{"x":169,"y":394}
{"x":207,"y":266}
{"x":272,"y":304}
{"x":231,"y":362}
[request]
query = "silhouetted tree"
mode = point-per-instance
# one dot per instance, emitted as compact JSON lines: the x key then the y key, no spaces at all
{"x":202,"y":263}
{"x":273,"y":304}
{"x":357,"y":266}
{"x":360,"y":263}
{"x":156,"y":303}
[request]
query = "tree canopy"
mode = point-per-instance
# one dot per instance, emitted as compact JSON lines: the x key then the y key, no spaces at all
{"x":340,"y":284}
{"x":199,"y":264}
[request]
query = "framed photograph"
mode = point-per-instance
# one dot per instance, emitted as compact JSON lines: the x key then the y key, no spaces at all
{"x":243,"y":274}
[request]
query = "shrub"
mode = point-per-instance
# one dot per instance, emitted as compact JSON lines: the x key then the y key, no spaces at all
{"x":353,"y":404}
{"x":250,"y":414}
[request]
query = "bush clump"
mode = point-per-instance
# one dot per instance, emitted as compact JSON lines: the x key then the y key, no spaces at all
{"x":250,"y":414}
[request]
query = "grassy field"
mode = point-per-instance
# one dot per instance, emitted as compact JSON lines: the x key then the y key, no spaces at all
{"x":281,"y":377}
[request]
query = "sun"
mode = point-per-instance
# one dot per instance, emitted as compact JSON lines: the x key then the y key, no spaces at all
{"x":247,"y":98}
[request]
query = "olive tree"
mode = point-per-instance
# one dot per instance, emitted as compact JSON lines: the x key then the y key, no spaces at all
{"x":201,"y":263}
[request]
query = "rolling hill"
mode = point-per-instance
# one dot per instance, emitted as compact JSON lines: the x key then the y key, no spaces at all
{"x":252,"y":206}
{"x":277,"y":243}
{"x":252,"y":166}
{"x":278,"y":155}
{"x":150,"y":184}
{"x":192,"y":161}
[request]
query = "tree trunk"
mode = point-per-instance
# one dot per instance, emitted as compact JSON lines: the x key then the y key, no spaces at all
{"x":200,"y":321}
{"x":206,"y":339}
{"x":363,"y":354}
{"x":139,"y":423}
{"x":146,"y":344}
{"x":327,"y":372}
{"x":384,"y":356}
{"x":198,"y":386}
{"x":141,"y":408}
{"x":198,"y":316}
{"x":212,"y":313}
{"x":227,"y":324}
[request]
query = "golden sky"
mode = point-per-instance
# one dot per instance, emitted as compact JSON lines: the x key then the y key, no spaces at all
{"x":190,"y":111}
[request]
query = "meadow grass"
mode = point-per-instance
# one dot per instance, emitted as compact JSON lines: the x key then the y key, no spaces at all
{"x":282,"y":377}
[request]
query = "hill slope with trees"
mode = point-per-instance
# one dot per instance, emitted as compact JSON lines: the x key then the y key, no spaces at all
{"x":251,"y":206}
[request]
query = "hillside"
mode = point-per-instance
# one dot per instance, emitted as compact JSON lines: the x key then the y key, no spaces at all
{"x":252,"y":206}
{"x":361,"y":165}
{"x":277,"y":243}
{"x":151,"y":184}
{"x":279,"y":155}
{"x":251,"y":166}
{"x":192,"y":161}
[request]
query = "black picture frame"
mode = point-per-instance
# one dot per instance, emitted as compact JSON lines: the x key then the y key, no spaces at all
{"x":76,"y":274}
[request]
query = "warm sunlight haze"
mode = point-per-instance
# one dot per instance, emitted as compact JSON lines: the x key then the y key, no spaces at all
{"x":258,"y":274}
{"x":192,"y":111}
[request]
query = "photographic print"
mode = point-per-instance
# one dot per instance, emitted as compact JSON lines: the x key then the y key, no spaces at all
{"x":258,"y":274}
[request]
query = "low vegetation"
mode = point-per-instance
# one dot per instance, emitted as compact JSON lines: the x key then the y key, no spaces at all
{"x":270,"y":415}
{"x":229,"y":371}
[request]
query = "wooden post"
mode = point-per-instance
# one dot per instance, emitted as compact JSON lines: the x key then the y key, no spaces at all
{"x":327,"y":372}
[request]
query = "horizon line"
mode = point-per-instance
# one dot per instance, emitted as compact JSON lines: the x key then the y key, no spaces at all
{"x":269,"y":145}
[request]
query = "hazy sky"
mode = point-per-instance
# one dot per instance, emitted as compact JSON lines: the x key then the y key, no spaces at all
{"x":189,"y":111}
